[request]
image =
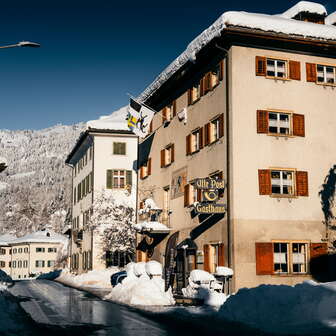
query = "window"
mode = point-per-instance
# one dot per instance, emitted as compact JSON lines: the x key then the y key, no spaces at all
{"x":90,"y":152}
{"x":213,"y":256}
{"x":216,"y":75}
{"x":39,"y":263}
{"x":2,"y":251}
{"x":326,"y":74}
{"x":40,"y":249}
{"x":194,"y":94}
{"x":118,"y":179}
{"x":19,"y":264}
{"x":26,"y":250}
{"x":14,"y":264}
{"x":191,"y":194}
{"x":52,"y":249}
{"x":169,"y":112}
{"x":167,"y":155}
{"x":165,"y":212}
{"x":194,"y":141}
{"x":20,"y":250}
{"x":276,"y":68}
{"x":282,"y":182}
{"x":14,"y":250}
{"x":290,"y":257}
{"x":74,"y":196}
{"x":119,"y":148}
{"x":2,"y":264}
{"x":146,"y":169}
{"x":25,"y":264}
{"x":214,"y":130}
{"x":51,"y":263}
{"x":280,"y":123}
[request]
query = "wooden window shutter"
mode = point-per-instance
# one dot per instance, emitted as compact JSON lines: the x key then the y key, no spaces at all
{"x":142,"y":172}
{"x":149,"y":166}
{"x":221,"y":255}
{"x":151,"y":127}
{"x":186,"y":195}
{"x":172,"y":153}
{"x":221,"y":125}
{"x":201,"y":138}
{"x":188,"y":144}
{"x":207,"y":82}
{"x":129,"y":177}
{"x":262,"y":121}
{"x":163,"y":158}
{"x":142,"y":205}
{"x":164,"y":115}
{"x":295,"y":70}
{"x":264,"y":258}
{"x":206,"y":258}
{"x":265,"y":187}
{"x":221,"y":70}
{"x":190,"y":96}
{"x":207,"y":129}
{"x":311,"y":72}
{"x":202,"y":87}
{"x":298,"y":125}
{"x":174,"y":108}
{"x":301,"y":183}
{"x":109,"y":179}
{"x":260,"y":66}
{"x":318,"y":249}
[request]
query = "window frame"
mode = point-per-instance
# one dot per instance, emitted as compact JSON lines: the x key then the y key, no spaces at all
{"x":212,"y":122}
{"x":118,"y":143}
{"x":290,"y":256}
{"x":276,"y":59}
{"x":325,"y":65}
{"x":293,"y":171}
{"x":168,"y":151}
{"x":279,"y":112}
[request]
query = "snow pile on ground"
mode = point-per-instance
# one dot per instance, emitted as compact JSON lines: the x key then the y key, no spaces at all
{"x":115,"y":121}
{"x":304,"y":7}
{"x":306,"y":308}
{"x":95,"y":279}
{"x":143,"y":286}
{"x":203,"y":285}
{"x":151,"y":226}
{"x":268,"y":23}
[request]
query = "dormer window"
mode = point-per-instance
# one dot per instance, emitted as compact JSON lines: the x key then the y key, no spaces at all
{"x":307,"y":11}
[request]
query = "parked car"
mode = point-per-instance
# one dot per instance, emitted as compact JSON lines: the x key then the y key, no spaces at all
{"x":117,"y":278}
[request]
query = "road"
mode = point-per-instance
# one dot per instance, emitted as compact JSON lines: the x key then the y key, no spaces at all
{"x":60,"y":310}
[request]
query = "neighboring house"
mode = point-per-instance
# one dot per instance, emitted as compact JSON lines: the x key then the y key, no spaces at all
{"x":30,"y":255}
{"x":104,"y":158}
{"x":250,"y":102}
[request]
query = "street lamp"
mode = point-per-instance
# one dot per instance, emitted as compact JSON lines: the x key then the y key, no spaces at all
{"x":22,"y":44}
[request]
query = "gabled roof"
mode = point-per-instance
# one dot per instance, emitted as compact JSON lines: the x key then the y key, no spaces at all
{"x":263,"y":23}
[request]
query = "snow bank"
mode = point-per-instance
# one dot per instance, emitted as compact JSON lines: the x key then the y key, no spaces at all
{"x":144,"y":288}
{"x":306,"y":308}
{"x":95,"y":279}
{"x":115,"y":121}
{"x":304,"y":6}
{"x":268,"y":23}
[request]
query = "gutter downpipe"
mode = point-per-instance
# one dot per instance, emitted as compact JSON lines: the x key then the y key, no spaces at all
{"x":228,"y":175}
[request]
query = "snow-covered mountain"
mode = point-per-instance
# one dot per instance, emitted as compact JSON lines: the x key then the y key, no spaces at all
{"x":35,"y":188}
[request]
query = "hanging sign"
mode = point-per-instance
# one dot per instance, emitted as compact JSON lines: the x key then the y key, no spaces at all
{"x":208,"y":183}
{"x":210,"y":208}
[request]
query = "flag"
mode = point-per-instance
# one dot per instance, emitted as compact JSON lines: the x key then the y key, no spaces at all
{"x":139,"y":118}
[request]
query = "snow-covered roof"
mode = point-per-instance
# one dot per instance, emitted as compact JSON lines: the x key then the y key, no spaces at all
{"x":263,"y":22}
{"x":3,"y":161}
{"x":41,"y":237}
{"x":6,"y":239}
{"x":151,"y":226}
{"x":304,"y":7}
{"x":115,"y":121}
{"x":331,"y":19}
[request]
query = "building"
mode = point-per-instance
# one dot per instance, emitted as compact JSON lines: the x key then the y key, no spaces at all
{"x":250,"y":103}
{"x":30,"y":255}
{"x":104,"y":158}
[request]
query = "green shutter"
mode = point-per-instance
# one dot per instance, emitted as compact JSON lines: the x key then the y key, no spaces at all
{"x":129,"y":177}
{"x":109,"y":179}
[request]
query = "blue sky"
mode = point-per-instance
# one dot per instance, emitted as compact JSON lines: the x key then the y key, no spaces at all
{"x":94,"y":52}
